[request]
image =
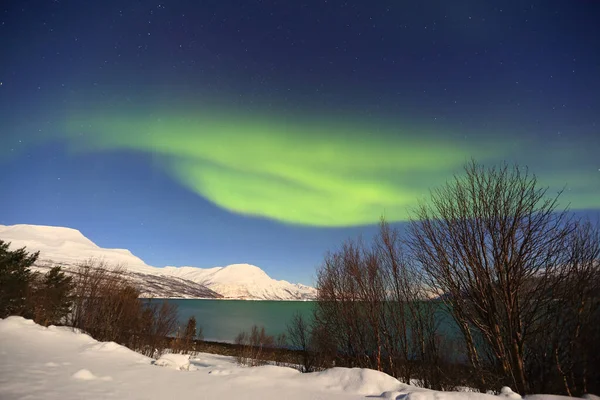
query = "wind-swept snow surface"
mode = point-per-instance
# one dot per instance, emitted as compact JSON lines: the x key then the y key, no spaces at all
{"x":56,"y":363}
{"x":68,"y":247}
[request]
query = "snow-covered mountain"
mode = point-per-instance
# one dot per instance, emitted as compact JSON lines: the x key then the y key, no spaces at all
{"x":69,"y":247}
{"x":66,"y":245}
{"x":243,"y":281}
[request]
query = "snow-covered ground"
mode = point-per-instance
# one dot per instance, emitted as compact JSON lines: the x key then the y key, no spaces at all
{"x":57,"y":363}
{"x":68,"y":247}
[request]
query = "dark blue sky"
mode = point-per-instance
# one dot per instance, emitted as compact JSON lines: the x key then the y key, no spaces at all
{"x":506,"y":80}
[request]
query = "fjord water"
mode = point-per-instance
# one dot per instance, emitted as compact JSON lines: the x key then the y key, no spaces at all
{"x":222,"y":320}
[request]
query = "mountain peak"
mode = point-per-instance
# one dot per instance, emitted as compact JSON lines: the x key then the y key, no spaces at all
{"x":241,"y":271}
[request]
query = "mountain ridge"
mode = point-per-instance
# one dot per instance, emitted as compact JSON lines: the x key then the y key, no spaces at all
{"x":243,"y":281}
{"x":69,"y":247}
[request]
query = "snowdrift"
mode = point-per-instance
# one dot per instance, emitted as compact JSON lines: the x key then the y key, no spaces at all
{"x":56,"y":363}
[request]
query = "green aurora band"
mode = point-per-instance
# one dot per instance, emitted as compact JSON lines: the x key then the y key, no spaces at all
{"x":318,"y":173}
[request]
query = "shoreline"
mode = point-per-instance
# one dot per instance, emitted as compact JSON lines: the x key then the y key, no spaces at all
{"x":227,"y":299}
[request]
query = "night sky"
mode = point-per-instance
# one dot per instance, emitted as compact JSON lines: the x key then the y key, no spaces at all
{"x":207,"y":133}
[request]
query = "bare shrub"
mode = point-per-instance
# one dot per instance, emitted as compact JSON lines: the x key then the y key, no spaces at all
{"x":158,"y":321}
{"x":108,"y":307}
{"x":253,"y":346}
{"x":105,"y":302}
{"x":278,"y":350}
{"x":301,"y":339}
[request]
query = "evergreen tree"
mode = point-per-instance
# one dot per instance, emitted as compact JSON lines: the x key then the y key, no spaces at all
{"x":190,"y":329}
{"x":52,"y":301}
{"x":15,"y":276}
{"x":189,"y":334}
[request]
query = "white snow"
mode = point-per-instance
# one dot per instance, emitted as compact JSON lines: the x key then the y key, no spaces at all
{"x":59,"y":364}
{"x":243,"y":281}
{"x":86,"y":375}
{"x":175,"y":361}
{"x":69,"y":246}
{"x":58,"y":244}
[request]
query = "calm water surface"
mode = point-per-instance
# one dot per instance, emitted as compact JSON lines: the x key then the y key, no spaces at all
{"x":222,"y":320}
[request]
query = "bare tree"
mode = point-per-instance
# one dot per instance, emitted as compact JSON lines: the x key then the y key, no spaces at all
{"x":341,"y":309}
{"x":373,"y":307}
{"x":493,"y":243}
{"x":401,"y":294}
{"x":157,"y":321}
{"x":300,"y":337}
{"x":107,"y":306}
{"x":568,"y":355}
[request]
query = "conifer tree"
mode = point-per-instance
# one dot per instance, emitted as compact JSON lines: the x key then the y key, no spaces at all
{"x":15,"y":276}
{"x":189,"y":334}
{"x":52,"y":299}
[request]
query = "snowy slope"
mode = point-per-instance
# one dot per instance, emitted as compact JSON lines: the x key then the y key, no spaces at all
{"x":56,"y":363}
{"x":243,"y":281}
{"x":68,"y":247}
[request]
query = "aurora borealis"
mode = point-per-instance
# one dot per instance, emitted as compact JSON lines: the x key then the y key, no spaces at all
{"x":272,"y":130}
{"x":301,"y":173}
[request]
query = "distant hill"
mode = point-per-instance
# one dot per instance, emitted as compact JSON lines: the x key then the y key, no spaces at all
{"x":69,"y":247}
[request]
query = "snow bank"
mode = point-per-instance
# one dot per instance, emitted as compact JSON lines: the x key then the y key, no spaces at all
{"x":57,"y":363}
{"x":356,"y":380}
{"x":425,"y":394}
{"x":87,"y":375}
{"x":174,"y":361}
{"x":554,"y":397}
